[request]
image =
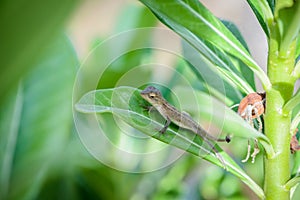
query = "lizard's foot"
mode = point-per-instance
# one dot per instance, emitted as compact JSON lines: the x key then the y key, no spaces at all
{"x":163,"y":130}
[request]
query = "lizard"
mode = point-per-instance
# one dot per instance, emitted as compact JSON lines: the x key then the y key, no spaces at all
{"x":181,"y":119}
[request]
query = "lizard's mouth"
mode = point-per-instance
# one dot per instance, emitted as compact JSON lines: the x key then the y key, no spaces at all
{"x":143,"y":94}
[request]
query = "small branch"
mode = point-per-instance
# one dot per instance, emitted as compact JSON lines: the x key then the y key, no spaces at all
{"x":292,"y":103}
{"x":292,"y":182}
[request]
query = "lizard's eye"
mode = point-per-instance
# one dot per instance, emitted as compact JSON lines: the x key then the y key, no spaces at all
{"x":151,"y":96}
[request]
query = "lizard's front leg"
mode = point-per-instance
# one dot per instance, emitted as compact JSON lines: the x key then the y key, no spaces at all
{"x":167,"y":124}
{"x":148,"y":108}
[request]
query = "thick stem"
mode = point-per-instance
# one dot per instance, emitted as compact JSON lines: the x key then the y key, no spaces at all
{"x":277,"y":124}
{"x":277,"y":169}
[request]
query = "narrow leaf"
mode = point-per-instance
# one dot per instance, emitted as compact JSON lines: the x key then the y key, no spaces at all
{"x":298,"y":51}
{"x":10,"y":117}
{"x":218,"y":63}
{"x":292,"y":103}
{"x":296,"y":71}
{"x":246,"y":72}
{"x":295,"y":123}
{"x":263,"y":13}
{"x":271,"y":5}
{"x":288,"y":23}
{"x":45,"y":120}
{"x":292,"y":183}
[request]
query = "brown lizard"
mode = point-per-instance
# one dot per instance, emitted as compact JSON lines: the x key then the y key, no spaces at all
{"x":181,"y":119}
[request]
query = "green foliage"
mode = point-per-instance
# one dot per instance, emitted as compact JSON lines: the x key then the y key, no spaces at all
{"x":42,"y":155}
{"x":196,"y":21}
{"x":126,"y":102}
{"x":225,"y":57}
{"x":29,"y":147}
{"x":26,"y":29}
{"x":263,"y":13}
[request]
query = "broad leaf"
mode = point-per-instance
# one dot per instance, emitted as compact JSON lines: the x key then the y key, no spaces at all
{"x":26,"y":28}
{"x":40,"y":131}
{"x":125,"y":103}
{"x":127,"y":48}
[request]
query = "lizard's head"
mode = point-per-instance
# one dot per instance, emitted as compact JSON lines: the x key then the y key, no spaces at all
{"x":151,"y":94}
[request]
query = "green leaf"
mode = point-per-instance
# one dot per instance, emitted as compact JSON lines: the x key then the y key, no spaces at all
{"x":195,"y":21}
{"x":295,"y":123}
{"x":296,"y":72}
{"x":219,"y":62}
{"x":236,"y":32}
{"x":271,"y":5}
{"x":216,"y":73}
{"x":247,"y":73}
{"x":42,"y":129}
{"x":10,"y":116}
{"x":225,"y":119}
{"x":262,"y":12}
{"x":298,"y":50}
{"x":26,"y":28}
{"x":130,"y":50}
{"x":296,"y":157}
{"x":292,"y":183}
{"x":134,"y":16}
{"x":281,"y":4}
{"x":292,"y":103}
{"x":125,"y":103}
{"x":288,"y":21}
{"x":212,"y":66}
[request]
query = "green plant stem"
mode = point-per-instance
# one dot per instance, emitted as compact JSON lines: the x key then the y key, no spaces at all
{"x":277,"y":124}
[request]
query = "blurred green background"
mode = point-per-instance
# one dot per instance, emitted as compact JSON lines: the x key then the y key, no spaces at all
{"x":43,"y":44}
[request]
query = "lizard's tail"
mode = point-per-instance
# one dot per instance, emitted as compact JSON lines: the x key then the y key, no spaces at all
{"x":220,"y":158}
{"x":227,"y":139}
